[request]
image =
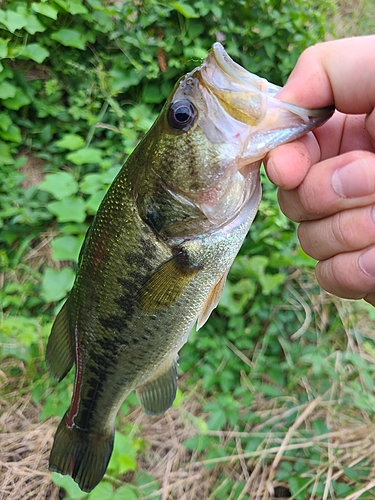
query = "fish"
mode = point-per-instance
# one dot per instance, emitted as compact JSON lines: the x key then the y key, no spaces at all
{"x":155,"y":259}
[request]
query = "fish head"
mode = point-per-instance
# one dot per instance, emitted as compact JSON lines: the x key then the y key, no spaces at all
{"x":217,"y":125}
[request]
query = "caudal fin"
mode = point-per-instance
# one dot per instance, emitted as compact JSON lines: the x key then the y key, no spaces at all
{"x":81,"y":455}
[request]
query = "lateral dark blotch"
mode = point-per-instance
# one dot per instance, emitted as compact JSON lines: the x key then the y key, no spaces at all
{"x":115,"y":322}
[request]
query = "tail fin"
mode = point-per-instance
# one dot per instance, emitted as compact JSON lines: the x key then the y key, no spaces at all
{"x":81,"y":455}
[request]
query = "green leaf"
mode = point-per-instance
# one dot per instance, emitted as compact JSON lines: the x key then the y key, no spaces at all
{"x":3,"y":48}
{"x":60,"y":185}
{"x":35,"y":52}
{"x":85,"y":155}
{"x":198,"y":443}
{"x":270,"y":281}
{"x":342,"y":490}
{"x":217,"y":420}
{"x":69,"y":38}
{"x":93,"y":203}
{"x":123,"y":458}
{"x":125,"y":492}
{"x":13,"y":134}
{"x":298,"y":486}
{"x":5,"y":156}
{"x":184,"y":9}
{"x":68,"y":210}
{"x":7,"y":90}
{"x":215,"y":454}
{"x":34,"y":25}
{"x":76,"y":7}
{"x":66,"y":247}
{"x":103,"y":491}
{"x":45,"y":9}
{"x":13,"y":20}
{"x":70,"y":141}
{"x":71,"y":487}
{"x":146,"y":483}
{"x":216,"y":11}
{"x":19,"y":100}
{"x":5,"y":120}
{"x":91,"y":183}
{"x":57,"y":283}
{"x":121,"y":79}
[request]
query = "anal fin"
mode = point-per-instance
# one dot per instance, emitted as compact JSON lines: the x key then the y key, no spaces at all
{"x":167,"y":283}
{"x":158,"y":394}
{"x":59,"y":351}
{"x":212,"y":300}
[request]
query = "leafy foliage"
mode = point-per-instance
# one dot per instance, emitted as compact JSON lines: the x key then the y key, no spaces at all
{"x":80,"y":82}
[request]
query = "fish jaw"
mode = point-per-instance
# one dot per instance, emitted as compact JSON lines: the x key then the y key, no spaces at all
{"x":253,"y":101}
{"x":256,"y":119}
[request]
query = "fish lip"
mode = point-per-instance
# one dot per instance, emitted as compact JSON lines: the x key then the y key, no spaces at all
{"x":220,"y":72}
{"x":233,"y":70}
{"x":231,"y":77}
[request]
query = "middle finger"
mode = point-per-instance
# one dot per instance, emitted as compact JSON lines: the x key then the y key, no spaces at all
{"x":339,"y":183}
{"x":343,"y":232}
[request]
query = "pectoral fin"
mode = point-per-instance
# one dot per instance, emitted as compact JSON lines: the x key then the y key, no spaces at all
{"x":212,"y":300}
{"x":60,"y":346}
{"x":165,"y":286}
{"x":158,"y":394}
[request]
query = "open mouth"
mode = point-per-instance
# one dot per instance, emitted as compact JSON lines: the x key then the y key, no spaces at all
{"x":246,"y":96}
{"x":242,"y":94}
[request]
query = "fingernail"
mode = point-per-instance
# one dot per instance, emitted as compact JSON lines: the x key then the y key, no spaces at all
{"x":354,"y":179}
{"x":366,"y":262}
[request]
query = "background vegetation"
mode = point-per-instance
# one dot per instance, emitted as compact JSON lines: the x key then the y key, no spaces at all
{"x":276,"y":393}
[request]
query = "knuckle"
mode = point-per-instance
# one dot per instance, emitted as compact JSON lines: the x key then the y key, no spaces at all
{"x":309,"y":201}
{"x":342,"y":231}
{"x":308,"y":244}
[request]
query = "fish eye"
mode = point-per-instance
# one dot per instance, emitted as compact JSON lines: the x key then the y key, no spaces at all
{"x":181,"y":114}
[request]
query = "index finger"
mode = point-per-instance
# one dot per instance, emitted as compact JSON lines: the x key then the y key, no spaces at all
{"x":287,"y":165}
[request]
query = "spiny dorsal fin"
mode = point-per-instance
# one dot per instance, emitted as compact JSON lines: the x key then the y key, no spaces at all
{"x":212,"y":300}
{"x":60,"y":346}
{"x":167,"y":283}
{"x":158,"y":394}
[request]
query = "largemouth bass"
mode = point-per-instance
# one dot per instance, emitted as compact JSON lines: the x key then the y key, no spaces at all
{"x":155,"y":259}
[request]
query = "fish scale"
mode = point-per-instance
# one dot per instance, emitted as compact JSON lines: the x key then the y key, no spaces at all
{"x":156,"y":257}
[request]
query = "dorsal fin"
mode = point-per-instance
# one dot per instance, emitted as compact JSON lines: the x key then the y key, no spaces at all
{"x":60,"y":346}
{"x":212,"y":300}
{"x":167,"y":283}
{"x":158,"y":394}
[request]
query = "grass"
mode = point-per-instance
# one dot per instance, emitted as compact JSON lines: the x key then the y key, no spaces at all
{"x":316,"y":441}
{"x":354,"y":18}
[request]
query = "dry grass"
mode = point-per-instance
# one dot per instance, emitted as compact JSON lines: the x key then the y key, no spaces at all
{"x":25,"y":444}
{"x":354,"y":18}
{"x":183,"y":474}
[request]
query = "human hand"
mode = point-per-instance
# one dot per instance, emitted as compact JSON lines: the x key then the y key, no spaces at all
{"x":327,"y":178}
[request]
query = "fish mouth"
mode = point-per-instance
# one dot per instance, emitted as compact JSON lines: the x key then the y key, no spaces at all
{"x":243,"y":95}
{"x":257,"y":121}
{"x":250,"y":98}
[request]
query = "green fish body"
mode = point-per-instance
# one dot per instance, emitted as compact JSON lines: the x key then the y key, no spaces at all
{"x":155,"y":259}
